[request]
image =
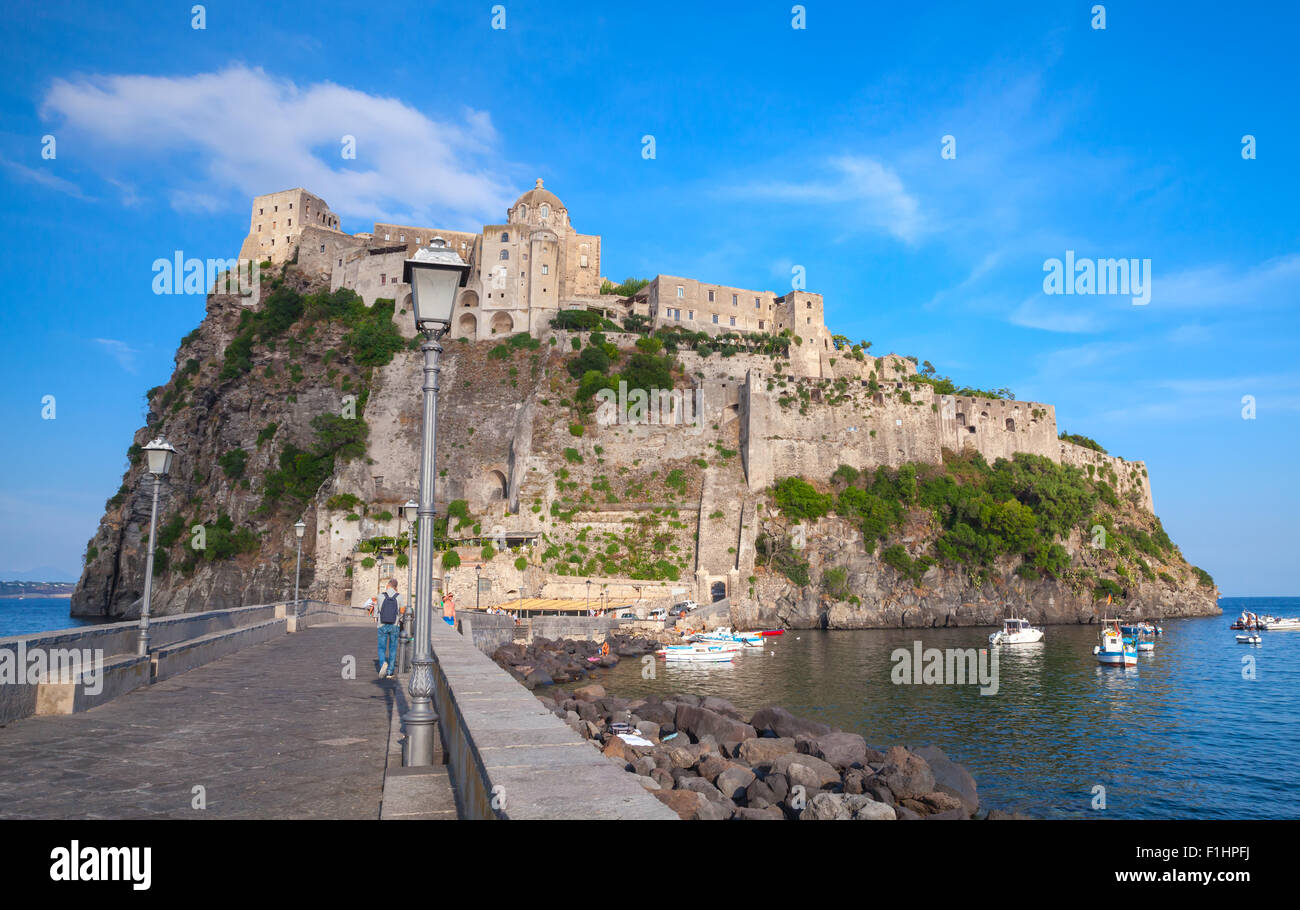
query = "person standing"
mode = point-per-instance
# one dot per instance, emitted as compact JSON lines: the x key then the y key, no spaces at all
{"x":390,"y":610}
{"x":449,"y":609}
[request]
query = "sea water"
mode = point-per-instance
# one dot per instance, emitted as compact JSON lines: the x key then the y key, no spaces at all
{"x":1202,"y":728}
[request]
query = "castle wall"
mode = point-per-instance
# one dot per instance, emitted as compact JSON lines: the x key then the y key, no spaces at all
{"x":321,"y":251}
{"x":373,"y":274}
{"x":686,"y":302}
{"x":811,"y":436}
{"x":278,"y":220}
{"x":997,"y":428}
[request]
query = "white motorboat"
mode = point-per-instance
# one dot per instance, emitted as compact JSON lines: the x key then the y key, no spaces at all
{"x":1251,"y":638}
{"x":1115,"y":650}
{"x":1280,"y":624}
{"x":699,"y":654}
{"x":1016,"y":632}
{"x":723,"y":634}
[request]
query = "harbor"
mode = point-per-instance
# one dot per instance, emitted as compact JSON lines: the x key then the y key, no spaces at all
{"x":1163,"y":738}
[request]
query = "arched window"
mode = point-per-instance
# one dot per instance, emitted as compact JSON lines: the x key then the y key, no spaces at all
{"x":546,"y":210}
{"x":1011,"y":424}
{"x":505,"y":237}
{"x":505,"y":254}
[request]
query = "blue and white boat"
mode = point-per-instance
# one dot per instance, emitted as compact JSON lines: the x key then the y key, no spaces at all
{"x":1115,"y":649}
{"x":723,"y":634}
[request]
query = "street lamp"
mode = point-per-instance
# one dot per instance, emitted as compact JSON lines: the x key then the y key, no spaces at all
{"x":588,"y":595}
{"x":160,"y":454}
{"x":410,"y":511}
{"x":433,"y":274}
{"x":478,"y":583}
{"x":299,"y":527}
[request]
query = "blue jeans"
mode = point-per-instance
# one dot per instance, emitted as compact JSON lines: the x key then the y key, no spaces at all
{"x":388,"y":645}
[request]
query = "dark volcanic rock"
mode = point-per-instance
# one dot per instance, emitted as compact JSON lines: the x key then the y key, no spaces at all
{"x":776,"y":721}
{"x":700,"y":722}
{"x":950,"y":777}
{"x":906,"y":774}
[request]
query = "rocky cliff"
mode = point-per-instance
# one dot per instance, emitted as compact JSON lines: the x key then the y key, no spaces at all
{"x":306,"y":404}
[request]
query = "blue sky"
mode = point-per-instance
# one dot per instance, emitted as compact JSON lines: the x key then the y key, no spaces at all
{"x":775,"y":147}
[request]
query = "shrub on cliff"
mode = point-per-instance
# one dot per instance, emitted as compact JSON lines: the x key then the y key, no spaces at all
{"x":1081,"y":440}
{"x":1107,"y":587}
{"x":796,"y":498}
{"x":233,"y":463}
{"x":898,"y":558}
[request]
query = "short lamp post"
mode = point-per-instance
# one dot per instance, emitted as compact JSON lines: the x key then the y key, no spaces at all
{"x":410,"y":511}
{"x":299,"y":527}
{"x":478,"y":583}
{"x":434,"y":273}
{"x":160,"y":454}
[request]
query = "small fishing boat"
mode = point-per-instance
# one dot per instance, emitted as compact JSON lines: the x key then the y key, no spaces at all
{"x":1250,"y":638}
{"x":1115,"y":650}
{"x":1280,"y":624}
{"x":718,"y":644}
{"x":767,"y":632}
{"x":1016,"y":632}
{"x":724,"y":634}
{"x":711,"y":655}
{"x":1146,"y":641}
{"x":1139,"y":628}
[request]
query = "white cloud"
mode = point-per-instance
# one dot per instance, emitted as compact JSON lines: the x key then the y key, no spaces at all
{"x":44,"y":178}
{"x":120,"y":351}
{"x":1272,"y":282}
{"x":869,"y":193}
{"x":240,"y":132}
{"x":1058,"y":313}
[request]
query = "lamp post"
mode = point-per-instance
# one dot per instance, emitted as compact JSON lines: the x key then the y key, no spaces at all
{"x":478,"y":583}
{"x":160,"y":454}
{"x":589,"y":595}
{"x":433,"y":274}
{"x":410,"y":511}
{"x":299,"y":527}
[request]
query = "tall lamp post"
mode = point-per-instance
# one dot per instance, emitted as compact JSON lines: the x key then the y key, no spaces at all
{"x":478,"y":583}
{"x":588,"y":595}
{"x":160,"y":454}
{"x":410,"y":511}
{"x":433,"y":274}
{"x":299,"y":527}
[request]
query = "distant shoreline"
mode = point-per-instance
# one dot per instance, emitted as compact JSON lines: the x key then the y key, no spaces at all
{"x":55,"y":595}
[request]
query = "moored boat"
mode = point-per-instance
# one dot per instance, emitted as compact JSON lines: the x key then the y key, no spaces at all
{"x":699,"y":655}
{"x":1016,"y":632}
{"x":1115,"y":650}
{"x":1280,"y":624}
{"x":724,"y":634}
{"x":1250,"y":638}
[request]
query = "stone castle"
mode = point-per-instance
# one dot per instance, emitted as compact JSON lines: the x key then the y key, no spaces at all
{"x":521,"y":273}
{"x":525,"y":270}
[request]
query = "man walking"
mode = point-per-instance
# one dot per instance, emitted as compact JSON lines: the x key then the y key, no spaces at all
{"x":389,"y":612}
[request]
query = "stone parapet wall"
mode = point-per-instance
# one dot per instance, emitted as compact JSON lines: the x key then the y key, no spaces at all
{"x":509,"y":757}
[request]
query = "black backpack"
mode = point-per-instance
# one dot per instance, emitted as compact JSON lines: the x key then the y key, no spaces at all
{"x":388,"y":609}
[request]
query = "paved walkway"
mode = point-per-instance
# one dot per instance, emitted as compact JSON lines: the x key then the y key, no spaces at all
{"x":273,"y":731}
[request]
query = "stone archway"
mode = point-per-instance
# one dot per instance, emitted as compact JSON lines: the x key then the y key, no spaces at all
{"x":467,"y":326}
{"x":495,"y":486}
{"x":502,"y":324}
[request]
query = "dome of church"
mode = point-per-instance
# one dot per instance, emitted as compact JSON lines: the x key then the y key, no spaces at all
{"x":538,"y":196}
